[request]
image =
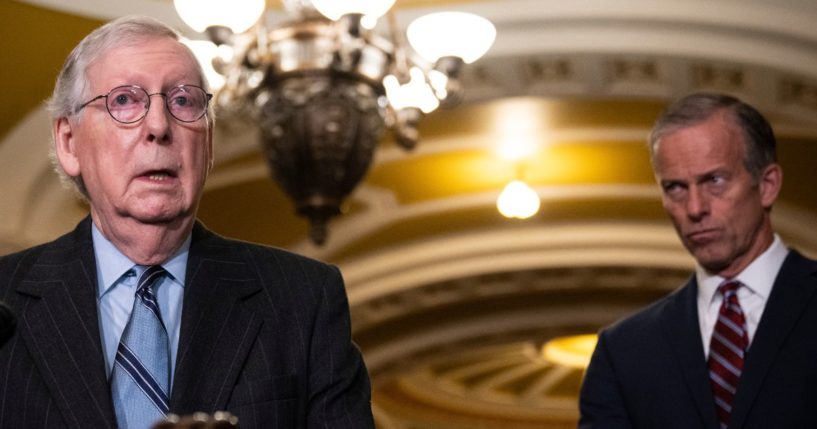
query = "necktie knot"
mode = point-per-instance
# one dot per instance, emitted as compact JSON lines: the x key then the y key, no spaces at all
{"x":729,"y":288}
{"x":149,"y":277}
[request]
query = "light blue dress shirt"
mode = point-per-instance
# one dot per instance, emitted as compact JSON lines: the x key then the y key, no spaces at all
{"x":116,"y":289}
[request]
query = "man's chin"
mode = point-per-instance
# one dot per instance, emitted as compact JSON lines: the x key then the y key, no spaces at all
{"x":158,"y":217}
{"x":711,"y":263}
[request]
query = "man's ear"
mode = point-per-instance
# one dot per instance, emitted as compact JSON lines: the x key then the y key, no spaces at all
{"x":65,"y":147}
{"x":770,"y":183}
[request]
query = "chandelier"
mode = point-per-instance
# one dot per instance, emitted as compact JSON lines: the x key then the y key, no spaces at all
{"x":324,"y":86}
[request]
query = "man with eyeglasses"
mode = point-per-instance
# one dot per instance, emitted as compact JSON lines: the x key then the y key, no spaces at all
{"x":141,"y":312}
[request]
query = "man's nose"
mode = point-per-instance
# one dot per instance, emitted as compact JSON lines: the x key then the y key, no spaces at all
{"x":697,"y":203}
{"x":158,"y":120}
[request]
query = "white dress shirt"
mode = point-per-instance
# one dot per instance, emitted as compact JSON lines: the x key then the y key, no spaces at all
{"x":757,"y":279}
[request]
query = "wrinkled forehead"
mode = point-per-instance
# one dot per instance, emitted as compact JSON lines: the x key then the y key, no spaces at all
{"x":710,"y":144}
{"x":146,"y":56}
{"x":719,"y":129}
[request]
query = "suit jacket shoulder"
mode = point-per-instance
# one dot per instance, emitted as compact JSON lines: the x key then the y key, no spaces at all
{"x":54,"y":360}
{"x":648,"y":318}
{"x":213,"y":246}
{"x":648,"y":370}
{"x":272,"y":328}
{"x":18,"y":265}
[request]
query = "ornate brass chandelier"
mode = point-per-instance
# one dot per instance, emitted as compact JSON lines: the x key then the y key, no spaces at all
{"x":324,"y":86}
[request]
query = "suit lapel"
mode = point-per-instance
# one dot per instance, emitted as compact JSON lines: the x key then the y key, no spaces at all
{"x":219,"y":325}
{"x":683,"y":332}
{"x":60,"y":327}
{"x":790,"y":295}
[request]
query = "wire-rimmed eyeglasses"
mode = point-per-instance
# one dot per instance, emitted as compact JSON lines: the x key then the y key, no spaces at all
{"x":130,"y":103}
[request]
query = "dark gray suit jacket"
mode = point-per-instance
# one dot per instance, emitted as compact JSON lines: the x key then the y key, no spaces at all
{"x":265,"y":334}
{"x":649,"y":370}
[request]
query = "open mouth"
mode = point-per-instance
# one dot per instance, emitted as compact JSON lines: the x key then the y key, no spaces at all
{"x":158,"y":175}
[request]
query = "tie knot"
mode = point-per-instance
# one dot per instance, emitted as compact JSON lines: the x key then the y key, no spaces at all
{"x":148,"y":278}
{"x":729,"y":288}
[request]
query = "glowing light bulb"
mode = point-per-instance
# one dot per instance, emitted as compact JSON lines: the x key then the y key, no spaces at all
{"x":432,"y":37}
{"x":238,"y":15}
{"x":414,"y":93}
{"x":518,"y":200}
{"x":334,"y":9}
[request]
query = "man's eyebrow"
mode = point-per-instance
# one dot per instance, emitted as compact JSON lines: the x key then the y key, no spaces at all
{"x":672,"y":182}
{"x":719,"y":171}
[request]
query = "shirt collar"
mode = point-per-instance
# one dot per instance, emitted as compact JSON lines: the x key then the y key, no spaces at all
{"x":111,"y":264}
{"x":758,"y":277}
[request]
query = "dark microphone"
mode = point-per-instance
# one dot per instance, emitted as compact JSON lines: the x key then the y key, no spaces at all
{"x":7,"y":323}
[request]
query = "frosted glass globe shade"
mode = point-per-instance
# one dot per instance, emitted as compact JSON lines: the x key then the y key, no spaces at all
{"x":455,"y":34}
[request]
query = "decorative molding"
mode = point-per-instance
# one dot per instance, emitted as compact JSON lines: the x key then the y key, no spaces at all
{"x":468,"y":349}
{"x":798,"y":92}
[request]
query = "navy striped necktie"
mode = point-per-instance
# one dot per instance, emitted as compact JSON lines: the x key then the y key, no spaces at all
{"x":727,"y":349}
{"x":141,"y":374}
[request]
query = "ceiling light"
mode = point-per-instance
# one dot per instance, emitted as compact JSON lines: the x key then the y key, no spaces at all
{"x":323,"y":87}
{"x":573,"y":351}
{"x":518,"y":200}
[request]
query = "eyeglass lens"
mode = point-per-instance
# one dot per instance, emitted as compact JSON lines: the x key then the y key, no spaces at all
{"x":130,"y":103}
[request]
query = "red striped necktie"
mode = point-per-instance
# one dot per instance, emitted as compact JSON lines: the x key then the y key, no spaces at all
{"x":726,"y":351}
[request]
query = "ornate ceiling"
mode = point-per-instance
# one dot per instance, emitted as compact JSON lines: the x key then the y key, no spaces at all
{"x":451,"y":302}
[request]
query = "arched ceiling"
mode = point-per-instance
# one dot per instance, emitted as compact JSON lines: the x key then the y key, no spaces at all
{"x":451,"y":302}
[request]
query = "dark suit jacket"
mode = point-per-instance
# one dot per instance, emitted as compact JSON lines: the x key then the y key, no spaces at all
{"x":265,"y":334}
{"x":649,"y":370}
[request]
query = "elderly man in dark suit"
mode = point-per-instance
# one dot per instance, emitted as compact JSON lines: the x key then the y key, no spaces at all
{"x":735,"y":347}
{"x":141,"y":311}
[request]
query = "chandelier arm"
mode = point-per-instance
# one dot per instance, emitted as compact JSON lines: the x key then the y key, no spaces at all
{"x":219,"y":34}
{"x":400,"y":52}
{"x":451,"y":68}
{"x":262,"y":40}
{"x":350,"y":40}
{"x":234,"y":88}
{"x":407,"y":120}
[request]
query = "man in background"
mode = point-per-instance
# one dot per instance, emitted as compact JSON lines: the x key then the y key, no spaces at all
{"x":141,"y":311}
{"x":736,"y":346}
